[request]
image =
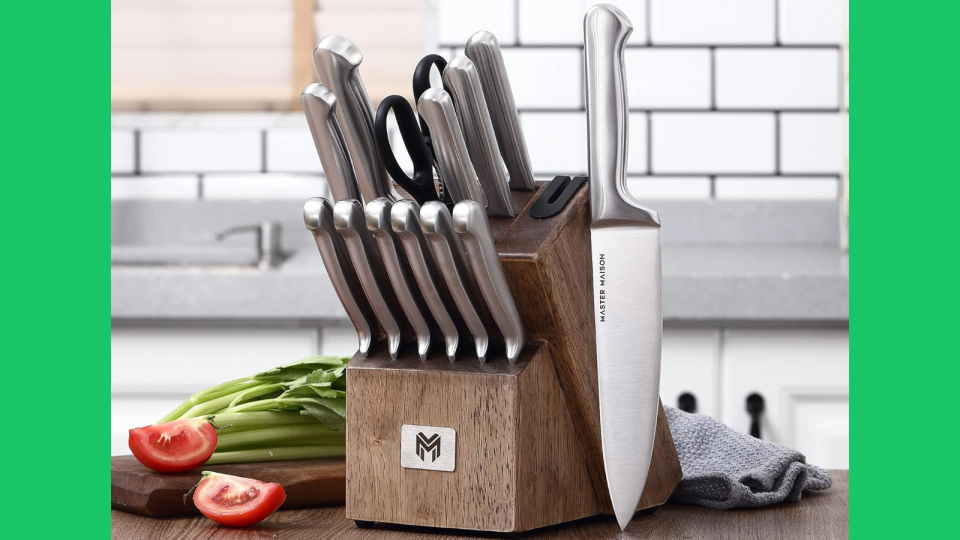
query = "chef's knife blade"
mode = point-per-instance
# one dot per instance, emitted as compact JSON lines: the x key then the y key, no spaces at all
{"x":484,"y":50}
{"x":470,"y":222}
{"x":319,"y":105}
{"x":449,"y":148}
{"x":463,"y":80}
{"x":338,"y":64}
{"x":318,"y":218}
{"x":451,"y":257}
{"x":405,"y":220}
{"x":625,"y":240}
{"x":398,"y":270}
{"x":350,"y":222}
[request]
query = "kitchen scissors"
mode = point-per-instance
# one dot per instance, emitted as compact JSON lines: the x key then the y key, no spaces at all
{"x":415,"y":135}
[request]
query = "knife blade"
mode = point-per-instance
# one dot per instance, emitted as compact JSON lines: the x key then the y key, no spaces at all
{"x":450,"y":253}
{"x":318,"y":218}
{"x":398,"y":270}
{"x":625,"y":239}
{"x":350,"y":223}
{"x":463,"y":81}
{"x":405,"y":220}
{"x":319,"y":106}
{"x":470,"y":222}
{"x":338,"y":63}
{"x":484,"y":50}
{"x":449,"y":148}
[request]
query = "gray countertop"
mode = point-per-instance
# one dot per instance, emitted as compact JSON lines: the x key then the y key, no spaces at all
{"x":700,"y":284}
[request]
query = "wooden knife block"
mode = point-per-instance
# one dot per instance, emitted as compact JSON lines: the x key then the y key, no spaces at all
{"x":528,"y":450}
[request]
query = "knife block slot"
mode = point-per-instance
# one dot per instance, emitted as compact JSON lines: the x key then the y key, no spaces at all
{"x":527,"y":450}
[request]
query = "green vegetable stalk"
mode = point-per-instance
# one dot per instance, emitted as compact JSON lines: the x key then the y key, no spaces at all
{"x":296,"y":411}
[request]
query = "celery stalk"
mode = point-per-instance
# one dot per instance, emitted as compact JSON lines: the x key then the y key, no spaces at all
{"x":277,"y":454}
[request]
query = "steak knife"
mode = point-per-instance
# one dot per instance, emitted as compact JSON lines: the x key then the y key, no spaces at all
{"x":470,"y":222}
{"x":318,"y":218}
{"x":405,"y":220}
{"x":338,"y":64}
{"x":484,"y":50}
{"x":450,"y":149}
{"x":398,"y":270}
{"x":625,"y":239}
{"x":349,"y":219}
{"x":463,"y":80}
{"x":319,"y":105}
{"x":451,"y":258}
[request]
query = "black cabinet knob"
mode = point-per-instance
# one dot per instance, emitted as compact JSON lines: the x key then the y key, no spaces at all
{"x":687,"y":402}
{"x":755,"y":408}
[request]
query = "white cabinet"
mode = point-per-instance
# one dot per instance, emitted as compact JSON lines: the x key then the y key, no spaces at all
{"x":691,"y":364}
{"x":803,"y":376}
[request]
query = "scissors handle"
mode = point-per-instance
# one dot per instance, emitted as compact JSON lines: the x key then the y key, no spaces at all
{"x":421,"y":186}
{"x":421,"y":82}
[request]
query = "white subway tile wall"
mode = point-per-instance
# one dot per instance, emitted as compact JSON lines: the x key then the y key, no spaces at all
{"x":728,"y":99}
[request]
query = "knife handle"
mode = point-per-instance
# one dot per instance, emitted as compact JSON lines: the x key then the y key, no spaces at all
{"x":463,"y":81}
{"x":605,"y":33}
{"x":470,"y":222}
{"x":319,"y":106}
{"x":318,"y":218}
{"x":484,"y":49}
{"x":449,"y":147}
{"x":338,"y":63}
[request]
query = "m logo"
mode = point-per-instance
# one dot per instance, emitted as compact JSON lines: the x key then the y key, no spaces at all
{"x":432,"y":448}
{"x":428,"y":444}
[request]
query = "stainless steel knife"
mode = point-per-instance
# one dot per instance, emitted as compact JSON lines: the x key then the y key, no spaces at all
{"x":319,"y":105}
{"x":451,"y":257}
{"x":318,"y":218}
{"x":405,"y":220}
{"x":449,"y":148}
{"x":471,"y":224}
{"x":350,"y":222}
{"x":463,"y":81}
{"x":625,"y":238}
{"x":484,"y":50}
{"x":338,"y":64}
{"x":398,"y":270}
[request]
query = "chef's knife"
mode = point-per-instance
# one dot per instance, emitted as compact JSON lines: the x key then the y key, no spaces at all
{"x":349,"y":219}
{"x":338,"y":64}
{"x":405,"y":220}
{"x":470,"y":222}
{"x":449,"y":148}
{"x":318,"y":217}
{"x":625,"y":238}
{"x":319,"y":105}
{"x":484,"y":50}
{"x":451,"y":258}
{"x":398,"y":270}
{"x":463,"y":81}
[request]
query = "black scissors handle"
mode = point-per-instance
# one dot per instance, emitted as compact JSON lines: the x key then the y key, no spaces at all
{"x":420,"y":187}
{"x":421,"y":82}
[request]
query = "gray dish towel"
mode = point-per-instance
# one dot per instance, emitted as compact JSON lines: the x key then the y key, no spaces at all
{"x":724,"y":469}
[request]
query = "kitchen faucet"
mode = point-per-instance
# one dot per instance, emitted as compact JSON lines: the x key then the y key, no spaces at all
{"x":267,"y":233}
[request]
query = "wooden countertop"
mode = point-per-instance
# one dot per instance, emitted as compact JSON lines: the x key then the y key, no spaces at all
{"x":818,"y":515}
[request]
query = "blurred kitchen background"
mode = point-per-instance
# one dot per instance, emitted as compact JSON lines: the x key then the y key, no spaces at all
{"x":738,"y":136}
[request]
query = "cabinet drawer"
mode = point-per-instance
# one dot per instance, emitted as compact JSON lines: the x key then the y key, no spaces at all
{"x":803,"y":376}
{"x":691,"y":364}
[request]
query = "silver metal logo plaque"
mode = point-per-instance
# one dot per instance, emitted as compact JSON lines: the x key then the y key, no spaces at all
{"x":428,"y":447}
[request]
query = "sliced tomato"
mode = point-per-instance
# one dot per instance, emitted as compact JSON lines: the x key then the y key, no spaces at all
{"x":236,"y":501}
{"x":177,"y":446}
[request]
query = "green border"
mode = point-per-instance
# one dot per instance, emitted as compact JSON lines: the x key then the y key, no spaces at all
{"x":55,"y":202}
{"x":904,"y":299}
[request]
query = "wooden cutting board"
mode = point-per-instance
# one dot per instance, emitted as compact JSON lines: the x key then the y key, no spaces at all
{"x":308,"y":483}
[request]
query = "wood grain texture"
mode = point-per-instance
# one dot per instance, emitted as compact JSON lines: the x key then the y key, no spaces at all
{"x":307,"y":483}
{"x":518,"y":466}
{"x":823,"y":516}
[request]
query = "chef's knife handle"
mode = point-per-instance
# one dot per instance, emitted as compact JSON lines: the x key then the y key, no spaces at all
{"x":755,"y":407}
{"x":605,"y":33}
